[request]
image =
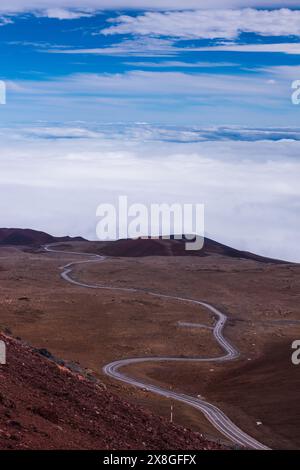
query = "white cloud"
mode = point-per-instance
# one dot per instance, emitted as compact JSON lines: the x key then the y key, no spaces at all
{"x":154,"y":47}
{"x":289,"y":72}
{"x":209,"y":24}
{"x":14,"y":6}
{"x":158,"y":96}
{"x":62,"y":132}
{"x":285,"y":48}
{"x":261,"y":98}
{"x":63,"y":14}
{"x":146,"y":132}
{"x":141,"y":47}
{"x":149,"y":83}
{"x":250,"y":189}
{"x":181,"y":64}
{"x":4,"y":21}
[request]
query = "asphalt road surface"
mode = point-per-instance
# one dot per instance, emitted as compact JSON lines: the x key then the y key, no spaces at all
{"x":217,"y":418}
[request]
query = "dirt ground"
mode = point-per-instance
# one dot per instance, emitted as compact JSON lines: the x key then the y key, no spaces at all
{"x":95,"y":327}
{"x":59,"y":409}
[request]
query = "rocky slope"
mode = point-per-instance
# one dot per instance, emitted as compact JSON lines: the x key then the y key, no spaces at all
{"x":44,"y":405}
{"x":17,"y":236}
{"x":174,"y":247}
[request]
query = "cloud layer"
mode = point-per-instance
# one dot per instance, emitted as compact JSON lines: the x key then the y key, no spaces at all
{"x":54,"y":175}
{"x":64,"y":14}
{"x":226,"y":24}
{"x":39,"y":5}
{"x":292,"y":48}
{"x":250,"y":189}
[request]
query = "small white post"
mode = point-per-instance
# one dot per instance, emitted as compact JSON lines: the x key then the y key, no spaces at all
{"x":2,"y":353}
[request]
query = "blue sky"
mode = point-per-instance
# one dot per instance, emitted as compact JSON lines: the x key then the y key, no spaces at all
{"x":83,"y":65}
{"x":190,"y":101}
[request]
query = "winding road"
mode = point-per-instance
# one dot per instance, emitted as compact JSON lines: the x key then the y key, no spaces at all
{"x":217,"y":418}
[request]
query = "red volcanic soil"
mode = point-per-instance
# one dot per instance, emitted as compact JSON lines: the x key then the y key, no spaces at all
{"x":130,"y":248}
{"x":173,"y":247}
{"x":46,"y":406}
{"x":16,"y":236}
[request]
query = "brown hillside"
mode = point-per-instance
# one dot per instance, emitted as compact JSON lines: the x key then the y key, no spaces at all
{"x":45,"y":406}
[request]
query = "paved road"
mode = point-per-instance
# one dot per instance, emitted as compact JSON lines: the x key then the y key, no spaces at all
{"x":218,"y":419}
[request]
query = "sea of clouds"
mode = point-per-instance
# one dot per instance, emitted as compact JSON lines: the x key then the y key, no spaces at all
{"x":53,"y":177}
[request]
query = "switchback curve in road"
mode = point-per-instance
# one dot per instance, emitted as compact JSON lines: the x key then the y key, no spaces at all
{"x":217,"y":418}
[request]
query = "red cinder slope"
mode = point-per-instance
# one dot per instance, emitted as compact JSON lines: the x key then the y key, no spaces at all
{"x":173,"y":247}
{"x":26,"y":237}
{"x":44,"y":406}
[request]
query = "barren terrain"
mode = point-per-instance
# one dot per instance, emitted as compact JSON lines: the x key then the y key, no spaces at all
{"x":95,"y":327}
{"x":45,"y":406}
